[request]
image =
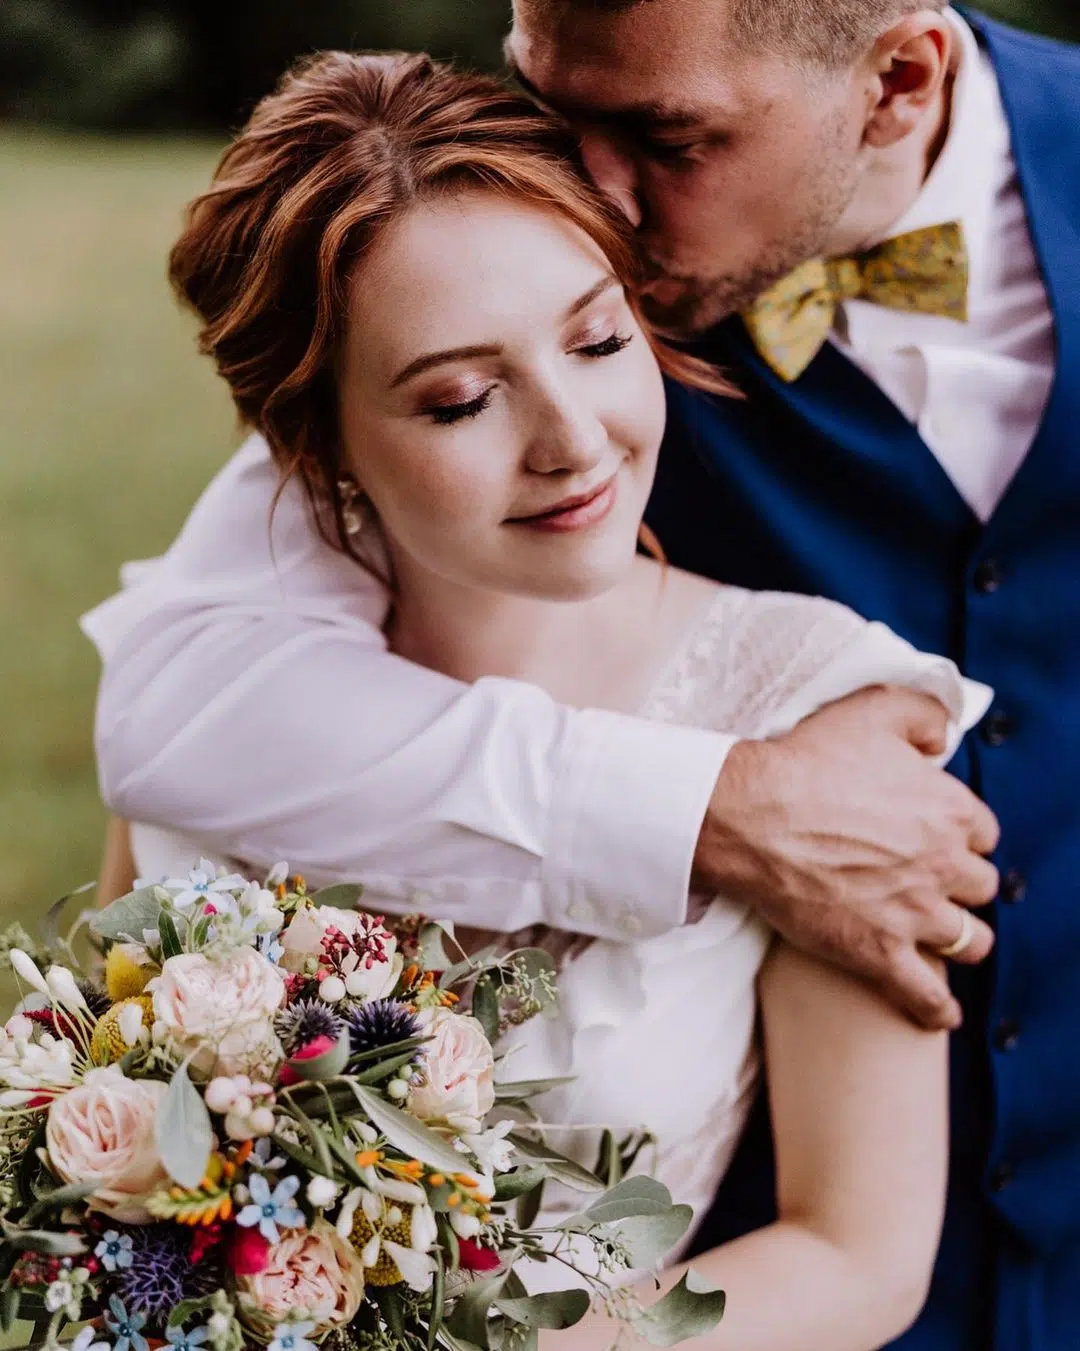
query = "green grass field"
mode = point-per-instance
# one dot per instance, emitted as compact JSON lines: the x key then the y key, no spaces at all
{"x":111,"y":424}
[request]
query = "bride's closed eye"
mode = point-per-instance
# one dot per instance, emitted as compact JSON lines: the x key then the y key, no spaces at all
{"x":607,"y":347}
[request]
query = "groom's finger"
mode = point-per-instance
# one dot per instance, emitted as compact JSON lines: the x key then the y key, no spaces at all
{"x":974,"y":880}
{"x":919,"y":987}
{"x":942,"y":929}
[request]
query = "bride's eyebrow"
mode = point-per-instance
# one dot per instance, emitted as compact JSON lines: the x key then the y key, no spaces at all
{"x":492,"y":349}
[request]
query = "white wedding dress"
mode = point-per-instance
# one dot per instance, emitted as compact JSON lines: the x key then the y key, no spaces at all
{"x":660,"y":1033}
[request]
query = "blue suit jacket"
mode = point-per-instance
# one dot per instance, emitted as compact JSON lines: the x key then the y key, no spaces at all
{"x":823,"y":487}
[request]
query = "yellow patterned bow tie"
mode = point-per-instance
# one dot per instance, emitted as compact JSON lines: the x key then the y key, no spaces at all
{"x":924,"y":272}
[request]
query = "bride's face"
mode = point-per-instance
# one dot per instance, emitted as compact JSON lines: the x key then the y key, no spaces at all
{"x":500,"y":405}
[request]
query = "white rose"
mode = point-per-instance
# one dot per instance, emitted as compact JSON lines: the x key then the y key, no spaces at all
{"x":222,"y":1010}
{"x":459,"y":1072}
{"x":365,"y":977}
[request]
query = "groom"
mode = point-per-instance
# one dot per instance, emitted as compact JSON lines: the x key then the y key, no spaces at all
{"x":907,"y":446}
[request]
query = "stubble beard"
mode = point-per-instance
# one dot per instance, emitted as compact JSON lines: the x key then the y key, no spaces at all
{"x":704,"y":301}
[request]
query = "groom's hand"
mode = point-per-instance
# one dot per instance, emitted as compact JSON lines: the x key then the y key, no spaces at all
{"x":855,"y":847}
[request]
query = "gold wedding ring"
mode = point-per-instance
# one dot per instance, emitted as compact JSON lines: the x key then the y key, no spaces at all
{"x":963,"y":939}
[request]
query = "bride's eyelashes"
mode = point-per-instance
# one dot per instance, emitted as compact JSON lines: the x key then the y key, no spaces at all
{"x":446,"y":414}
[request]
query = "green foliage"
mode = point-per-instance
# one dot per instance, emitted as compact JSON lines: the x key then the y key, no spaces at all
{"x":183,"y":1132}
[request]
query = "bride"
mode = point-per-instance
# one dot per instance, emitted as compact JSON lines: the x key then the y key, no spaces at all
{"x":415,"y":297}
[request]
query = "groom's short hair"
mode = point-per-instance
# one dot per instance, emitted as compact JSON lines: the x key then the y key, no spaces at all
{"x":829,"y":32}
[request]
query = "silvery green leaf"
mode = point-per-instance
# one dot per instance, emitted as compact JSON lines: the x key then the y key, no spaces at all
{"x":43,"y":1241}
{"x":342,"y":895}
{"x":558,"y":1165}
{"x":528,"y":1206}
{"x":186,"y":1308}
{"x":470,"y":1316}
{"x":404,"y":1132}
{"x":375,"y":1074}
{"x":170,"y":939}
{"x":56,"y":1200}
{"x":632,"y":1196}
{"x":329,"y":1065}
{"x":650,"y":1237}
{"x":182,"y":1131}
{"x":485,"y":1007}
{"x":517,"y":1183}
{"x":554,"y":1309}
{"x":438,"y":1301}
{"x":690,"y":1309}
{"x":431,"y":953}
{"x":130,"y":914}
{"x":12,"y":1299}
{"x":519,"y":1090}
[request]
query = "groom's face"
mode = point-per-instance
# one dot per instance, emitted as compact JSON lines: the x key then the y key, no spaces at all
{"x":734,"y":165}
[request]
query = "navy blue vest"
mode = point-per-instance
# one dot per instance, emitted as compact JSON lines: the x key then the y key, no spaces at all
{"x":823,"y":487}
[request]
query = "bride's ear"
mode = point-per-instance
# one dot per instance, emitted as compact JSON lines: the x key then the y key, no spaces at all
{"x":908,"y":68}
{"x":354,"y":505}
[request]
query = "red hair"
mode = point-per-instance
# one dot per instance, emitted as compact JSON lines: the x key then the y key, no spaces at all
{"x":341,"y":149}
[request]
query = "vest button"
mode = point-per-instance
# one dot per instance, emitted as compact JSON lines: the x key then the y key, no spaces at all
{"x":1013,"y":887}
{"x":997,"y":727}
{"x":987,"y":577}
{"x":1006,"y":1035}
{"x":1002,"y":1175}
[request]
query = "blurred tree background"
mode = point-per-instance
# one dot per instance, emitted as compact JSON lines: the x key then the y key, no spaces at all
{"x":112,"y":113}
{"x":200,"y":64}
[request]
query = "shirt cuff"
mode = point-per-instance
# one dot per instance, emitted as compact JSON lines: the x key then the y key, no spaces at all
{"x":626,"y":813}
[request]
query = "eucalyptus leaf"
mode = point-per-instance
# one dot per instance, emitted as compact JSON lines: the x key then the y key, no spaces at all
{"x":470,"y":1316}
{"x":521,"y":1089}
{"x":318,"y":1140}
{"x":438,"y":1301}
{"x":391,"y":1308}
{"x":485,"y":1007}
{"x":342,"y":895}
{"x":528,"y":1206}
{"x":329,"y":1065}
{"x":170,"y":939}
{"x":378,"y":1053}
{"x":375,"y":1074}
{"x":182,"y":1131}
{"x":55,"y":1200}
{"x":404,"y":1132}
{"x":650,"y":1237}
{"x":632,"y":1196}
{"x":558,"y":1165}
{"x":554,"y":1309}
{"x":297,"y":1154}
{"x":431,"y":952}
{"x":201,"y":932}
{"x":517,"y":1183}
{"x":130,"y":914}
{"x":690,"y":1309}
{"x":9,"y":1311}
{"x":42,"y":1241}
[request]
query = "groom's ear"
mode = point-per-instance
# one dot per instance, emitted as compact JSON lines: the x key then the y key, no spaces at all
{"x":906,"y":71}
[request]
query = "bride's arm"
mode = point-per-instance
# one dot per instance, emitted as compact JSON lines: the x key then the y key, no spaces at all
{"x":859,"y":1104}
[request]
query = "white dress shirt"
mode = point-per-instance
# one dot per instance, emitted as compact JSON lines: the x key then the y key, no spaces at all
{"x":977,"y":391}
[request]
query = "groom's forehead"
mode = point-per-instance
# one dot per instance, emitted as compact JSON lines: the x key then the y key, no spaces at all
{"x":588,"y":63}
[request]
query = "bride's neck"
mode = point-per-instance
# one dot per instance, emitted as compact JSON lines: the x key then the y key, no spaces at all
{"x":580,"y":651}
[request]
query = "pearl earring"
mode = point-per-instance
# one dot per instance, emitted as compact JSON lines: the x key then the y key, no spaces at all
{"x":352,"y":502}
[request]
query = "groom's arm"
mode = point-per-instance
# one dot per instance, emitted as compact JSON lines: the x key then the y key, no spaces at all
{"x":248,"y":699}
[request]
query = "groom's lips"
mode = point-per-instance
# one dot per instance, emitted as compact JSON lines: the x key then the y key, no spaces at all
{"x":573,"y":513}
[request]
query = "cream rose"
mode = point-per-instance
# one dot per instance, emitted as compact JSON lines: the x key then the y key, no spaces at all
{"x":364,"y":979}
{"x":103,"y":1131}
{"x":222,"y":1011}
{"x":459,"y":1072}
{"x":312,"y":1269}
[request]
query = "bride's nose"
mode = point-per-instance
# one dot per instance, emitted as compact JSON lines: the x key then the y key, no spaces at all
{"x":567,"y":436}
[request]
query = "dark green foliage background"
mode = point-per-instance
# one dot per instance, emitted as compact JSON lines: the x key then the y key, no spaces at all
{"x":199,"y":64}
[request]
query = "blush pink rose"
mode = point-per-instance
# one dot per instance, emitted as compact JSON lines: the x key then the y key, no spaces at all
{"x":458,"y":1071}
{"x":103,"y":1131}
{"x":222,"y":1010}
{"x":312,"y":1269}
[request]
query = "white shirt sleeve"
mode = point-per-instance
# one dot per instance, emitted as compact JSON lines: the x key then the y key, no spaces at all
{"x":249,"y":700}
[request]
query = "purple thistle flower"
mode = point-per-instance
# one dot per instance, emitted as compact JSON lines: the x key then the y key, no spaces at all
{"x":162,"y":1274}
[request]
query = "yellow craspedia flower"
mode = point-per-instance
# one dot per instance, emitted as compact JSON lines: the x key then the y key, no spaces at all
{"x":107,"y":1044}
{"x":124,"y":976}
{"x":385,"y":1271}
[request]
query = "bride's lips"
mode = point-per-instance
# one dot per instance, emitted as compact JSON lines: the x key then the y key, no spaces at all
{"x":573,"y":513}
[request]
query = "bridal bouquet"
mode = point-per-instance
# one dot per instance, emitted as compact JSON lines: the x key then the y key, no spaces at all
{"x":280,"y":1121}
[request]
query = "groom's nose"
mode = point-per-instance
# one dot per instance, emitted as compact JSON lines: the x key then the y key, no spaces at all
{"x":613,"y":172}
